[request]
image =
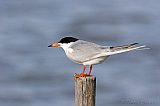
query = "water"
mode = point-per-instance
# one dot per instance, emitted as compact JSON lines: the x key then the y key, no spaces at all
{"x":32,"y":74}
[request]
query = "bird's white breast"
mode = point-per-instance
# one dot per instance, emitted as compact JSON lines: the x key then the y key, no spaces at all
{"x":70,"y":50}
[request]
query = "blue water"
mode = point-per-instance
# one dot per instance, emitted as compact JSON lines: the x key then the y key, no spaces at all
{"x":34,"y":75}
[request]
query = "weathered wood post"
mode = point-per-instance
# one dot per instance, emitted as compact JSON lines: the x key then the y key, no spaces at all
{"x":85,"y":91}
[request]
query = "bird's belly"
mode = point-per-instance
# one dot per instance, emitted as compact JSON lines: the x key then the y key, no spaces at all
{"x":95,"y":61}
{"x":81,"y":59}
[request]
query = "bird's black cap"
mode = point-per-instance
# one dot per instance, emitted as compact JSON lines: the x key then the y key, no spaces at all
{"x":68,"y":40}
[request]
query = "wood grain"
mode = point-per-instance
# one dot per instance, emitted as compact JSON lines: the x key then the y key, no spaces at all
{"x":85,"y":91}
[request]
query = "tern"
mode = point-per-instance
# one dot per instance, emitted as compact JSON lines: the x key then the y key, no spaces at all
{"x":88,"y":53}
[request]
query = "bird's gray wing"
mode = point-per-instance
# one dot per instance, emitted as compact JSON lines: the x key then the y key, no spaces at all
{"x":111,"y":50}
{"x":125,"y":48}
{"x":84,"y":51}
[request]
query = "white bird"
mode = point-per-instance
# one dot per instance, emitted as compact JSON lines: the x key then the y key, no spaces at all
{"x":88,"y":53}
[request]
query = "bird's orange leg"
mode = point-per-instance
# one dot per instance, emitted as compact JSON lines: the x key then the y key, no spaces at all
{"x":90,"y":70}
{"x":84,"y":69}
{"x":82,"y":74}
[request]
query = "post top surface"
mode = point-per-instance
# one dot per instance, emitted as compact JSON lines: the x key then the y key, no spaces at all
{"x":88,"y":77}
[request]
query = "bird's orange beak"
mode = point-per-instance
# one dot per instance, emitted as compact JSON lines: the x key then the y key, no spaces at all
{"x":54,"y":45}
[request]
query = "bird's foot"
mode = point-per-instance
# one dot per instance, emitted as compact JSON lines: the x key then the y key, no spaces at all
{"x":81,"y":75}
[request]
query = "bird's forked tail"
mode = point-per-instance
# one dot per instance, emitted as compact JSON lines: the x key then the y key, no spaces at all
{"x":125,"y":48}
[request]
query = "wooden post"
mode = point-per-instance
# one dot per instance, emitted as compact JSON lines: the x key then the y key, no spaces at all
{"x":85,"y":91}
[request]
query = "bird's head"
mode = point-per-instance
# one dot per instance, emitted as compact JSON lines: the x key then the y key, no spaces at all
{"x":64,"y":42}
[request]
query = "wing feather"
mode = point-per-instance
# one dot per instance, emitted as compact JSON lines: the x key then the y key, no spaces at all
{"x":84,"y":51}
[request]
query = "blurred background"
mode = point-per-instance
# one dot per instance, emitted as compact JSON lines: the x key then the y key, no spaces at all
{"x":31,"y":74}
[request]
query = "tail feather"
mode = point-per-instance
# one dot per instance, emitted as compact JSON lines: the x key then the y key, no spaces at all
{"x":125,"y":48}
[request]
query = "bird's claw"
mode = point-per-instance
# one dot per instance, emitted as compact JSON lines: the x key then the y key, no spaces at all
{"x":81,"y":75}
